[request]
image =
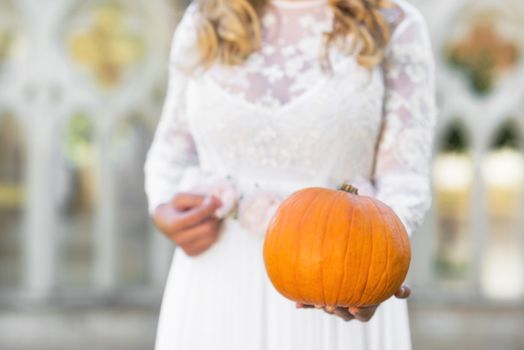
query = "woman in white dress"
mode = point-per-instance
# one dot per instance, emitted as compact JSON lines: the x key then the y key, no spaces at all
{"x":266,"y":97}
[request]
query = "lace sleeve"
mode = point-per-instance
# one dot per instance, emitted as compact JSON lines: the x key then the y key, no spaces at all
{"x":402,"y":169}
{"x":173,"y":148}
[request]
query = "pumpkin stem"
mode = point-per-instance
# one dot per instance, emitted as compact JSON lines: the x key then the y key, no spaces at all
{"x":348,"y":188}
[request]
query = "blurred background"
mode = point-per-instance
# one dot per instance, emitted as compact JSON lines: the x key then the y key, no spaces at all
{"x":81,"y":88}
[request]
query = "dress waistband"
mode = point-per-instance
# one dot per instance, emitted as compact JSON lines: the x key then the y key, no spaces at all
{"x":281,"y":186}
{"x":247,"y":182}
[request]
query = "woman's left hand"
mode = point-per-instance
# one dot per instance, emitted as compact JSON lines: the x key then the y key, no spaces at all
{"x":363,"y":314}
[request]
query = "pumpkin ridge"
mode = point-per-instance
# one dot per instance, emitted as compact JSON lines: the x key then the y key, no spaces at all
{"x":277,"y":266}
{"x":388,"y":250}
{"x":341,"y":282}
{"x":361,"y":211}
{"x":357,"y":210}
{"x":364,"y":290}
{"x":297,"y":250}
{"x":326,"y":226}
{"x":406,"y":243}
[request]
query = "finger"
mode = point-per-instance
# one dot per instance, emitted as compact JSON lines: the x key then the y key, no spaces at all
{"x":164,"y":216}
{"x":203,"y":243}
{"x":339,"y":311}
{"x":200,"y":246}
{"x":403,"y":292}
{"x":198,"y":214}
{"x":303,"y":306}
{"x":330,"y":309}
{"x":363,"y":314}
{"x":344,"y":314}
{"x":205,"y":228}
{"x":186,"y":200}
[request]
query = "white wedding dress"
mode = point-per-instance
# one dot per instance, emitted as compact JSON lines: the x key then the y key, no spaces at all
{"x":273,"y":125}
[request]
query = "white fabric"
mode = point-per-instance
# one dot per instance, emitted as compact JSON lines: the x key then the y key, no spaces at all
{"x":273,"y":125}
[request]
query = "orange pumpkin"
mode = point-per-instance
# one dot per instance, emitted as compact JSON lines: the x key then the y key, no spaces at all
{"x":333,"y":247}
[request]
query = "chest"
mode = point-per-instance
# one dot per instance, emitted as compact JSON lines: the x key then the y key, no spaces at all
{"x":337,"y":117}
{"x":348,"y":100}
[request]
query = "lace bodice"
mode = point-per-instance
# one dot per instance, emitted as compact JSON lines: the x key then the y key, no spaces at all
{"x":280,"y":122}
{"x":287,"y":65}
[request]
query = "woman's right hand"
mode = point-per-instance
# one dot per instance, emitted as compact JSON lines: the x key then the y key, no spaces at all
{"x":189,"y":221}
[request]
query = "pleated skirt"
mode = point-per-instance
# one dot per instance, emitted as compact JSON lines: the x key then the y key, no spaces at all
{"x":223,"y":300}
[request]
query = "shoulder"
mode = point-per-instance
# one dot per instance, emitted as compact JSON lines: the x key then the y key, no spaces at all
{"x":410,"y":41}
{"x":402,"y":15}
{"x":184,"y":40}
{"x":188,"y":18}
{"x":408,"y":27}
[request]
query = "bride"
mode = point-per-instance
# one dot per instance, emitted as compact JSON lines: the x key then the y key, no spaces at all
{"x":266,"y":97}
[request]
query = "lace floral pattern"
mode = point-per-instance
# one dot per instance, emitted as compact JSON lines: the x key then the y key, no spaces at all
{"x":278,"y":117}
{"x":287,"y":64}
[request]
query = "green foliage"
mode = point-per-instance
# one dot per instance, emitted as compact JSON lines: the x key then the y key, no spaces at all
{"x":454,"y":139}
{"x":478,"y":69}
{"x":507,"y":136}
{"x":78,"y":145}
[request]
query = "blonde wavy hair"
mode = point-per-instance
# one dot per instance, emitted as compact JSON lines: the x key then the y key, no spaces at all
{"x":229,"y":30}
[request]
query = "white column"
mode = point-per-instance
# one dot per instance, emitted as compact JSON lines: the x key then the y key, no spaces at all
{"x":479,"y":214}
{"x":39,"y":240}
{"x":105,"y":239}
